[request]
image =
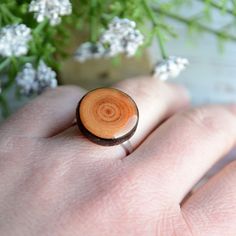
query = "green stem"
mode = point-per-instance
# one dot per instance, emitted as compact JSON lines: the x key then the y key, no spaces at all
{"x":197,"y":24}
{"x":12,"y":74}
{"x":219,"y":7}
{"x":161,"y":44}
{"x":93,"y":21}
{"x":8,"y":14}
{"x":234,"y":4}
{"x":26,"y":59}
{"x":14,"y":63}
{"x":156,"y":24}
{"x":39,"y":28}
{"x":4,"y":18}
{"x":228,"y":26}
{"x":5,"y":63}
{"x":4,"y":106}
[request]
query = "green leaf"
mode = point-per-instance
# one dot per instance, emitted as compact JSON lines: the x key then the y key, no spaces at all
{"x":5,"y":63}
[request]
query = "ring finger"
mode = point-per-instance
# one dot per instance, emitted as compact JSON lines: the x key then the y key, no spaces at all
{"x":156,"y":101}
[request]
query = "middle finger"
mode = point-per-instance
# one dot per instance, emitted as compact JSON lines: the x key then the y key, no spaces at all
{"x":181,"y":151}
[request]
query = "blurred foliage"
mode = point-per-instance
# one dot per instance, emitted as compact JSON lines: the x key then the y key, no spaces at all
{"x":49,"y":42}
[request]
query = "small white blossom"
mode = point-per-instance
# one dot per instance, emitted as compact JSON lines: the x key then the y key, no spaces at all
{"x":26,"y":79}
{"x":88,"y":51}
{"x":50,"y":9}
{"x":46,"y":77}
{"x":122,"y":37}
{"x":31,"y":81}
{"x":170,"y":67}
{"x":14,"y":40}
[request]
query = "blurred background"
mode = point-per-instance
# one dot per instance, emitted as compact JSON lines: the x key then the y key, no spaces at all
{"x":211,"y":75}
{"x":204,"y":33}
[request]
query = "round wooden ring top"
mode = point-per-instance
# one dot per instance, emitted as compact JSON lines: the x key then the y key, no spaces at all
{"x":107,"y":116}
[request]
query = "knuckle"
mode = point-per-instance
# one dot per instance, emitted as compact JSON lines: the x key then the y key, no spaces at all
{"x":149,"y":91}
{"x":69,"y":88}
{"x":201,"y":117}
{"x":211,"y":120}
{"x":61,"y":90}
{"x":44,"y":104}
{"x":140,"y":87}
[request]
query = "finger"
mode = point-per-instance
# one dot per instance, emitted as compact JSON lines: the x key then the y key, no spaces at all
{"x":155,"y":100}
{"x":211,"y":210}
{"x":181,"y":151}
{"x":46,"y":115}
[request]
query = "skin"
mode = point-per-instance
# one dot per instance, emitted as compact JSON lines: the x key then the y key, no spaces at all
{"x":54,"y":182}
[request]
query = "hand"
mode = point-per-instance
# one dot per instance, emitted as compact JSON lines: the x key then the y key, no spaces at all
{"x":55,"y":182}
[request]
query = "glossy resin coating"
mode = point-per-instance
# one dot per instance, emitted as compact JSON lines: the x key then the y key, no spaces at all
{"x":107,"y":116}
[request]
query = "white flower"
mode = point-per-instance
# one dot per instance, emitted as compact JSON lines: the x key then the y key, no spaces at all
{"x":122,"y":37}
{"x":170,"y":67}
{"x":14,"y":40}
{"x":88,"y":51}
{"x":50,"y":9}
{"x":133,"y":41}
{"x":46,"y":77}
{"x":31,"y":81}
{"x":26,"y":80}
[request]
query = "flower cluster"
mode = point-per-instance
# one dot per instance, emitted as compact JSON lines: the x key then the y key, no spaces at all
{"x":170,"y":67}
{"x":89,"y":50}
{"x":120,"y":37}
{"x":14,"y":40}
{"x":50,"y":9}
{"x":31,"y":81}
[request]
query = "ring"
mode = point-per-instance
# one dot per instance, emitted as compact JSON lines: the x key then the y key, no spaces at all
{"x":108,"y":117}
{"x":127,"y":147}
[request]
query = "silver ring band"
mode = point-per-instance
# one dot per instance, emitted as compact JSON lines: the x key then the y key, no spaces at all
{"x":127,"y":147}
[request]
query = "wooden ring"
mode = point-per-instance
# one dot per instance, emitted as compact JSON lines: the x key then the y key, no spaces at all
{"x":107,"y":116}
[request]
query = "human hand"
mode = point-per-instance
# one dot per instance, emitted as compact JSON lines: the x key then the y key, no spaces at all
{"x":53,"y":181}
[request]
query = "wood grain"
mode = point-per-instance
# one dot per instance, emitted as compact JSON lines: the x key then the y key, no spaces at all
{"x":107,"y":116}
